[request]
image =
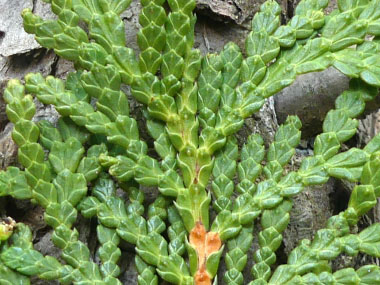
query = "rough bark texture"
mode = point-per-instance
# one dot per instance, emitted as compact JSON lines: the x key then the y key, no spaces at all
{"x":219,"y":21}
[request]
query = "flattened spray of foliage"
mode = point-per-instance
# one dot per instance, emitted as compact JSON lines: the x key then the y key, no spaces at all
{"x":193,"y":106}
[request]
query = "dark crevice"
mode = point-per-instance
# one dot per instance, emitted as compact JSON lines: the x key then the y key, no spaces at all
{"x":281,"y":255}
{"x":25,"y":60}
{"x":2,"y":35}
{"x":40,"y":233}
{"x":13,"y":210}
{"x":34,"y":6}
{"x":290,"y":9}
{"x":284,"y":18}
{"x":217,"y":15}
{"x":339,"y":197}
{"x":53,"y":71}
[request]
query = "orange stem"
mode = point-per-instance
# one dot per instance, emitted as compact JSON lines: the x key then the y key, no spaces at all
{"x":205,"y":244}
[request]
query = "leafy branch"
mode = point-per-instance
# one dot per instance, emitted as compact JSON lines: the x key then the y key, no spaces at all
{"x":193,"y":105}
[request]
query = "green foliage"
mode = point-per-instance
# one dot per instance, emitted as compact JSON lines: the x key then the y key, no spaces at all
{"x":93,"y":157}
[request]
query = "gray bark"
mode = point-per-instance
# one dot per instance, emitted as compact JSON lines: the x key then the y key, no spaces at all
{"x":311,"y":96}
